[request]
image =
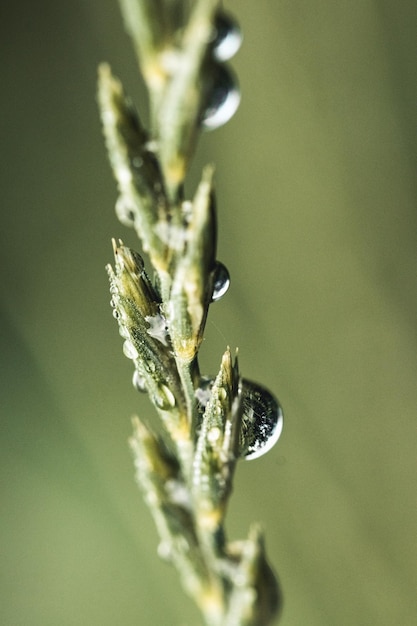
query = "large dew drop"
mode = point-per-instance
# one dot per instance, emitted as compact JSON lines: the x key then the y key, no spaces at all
{"x":262,"y":417}
{"x":223,"y":98}
{"x":262,"y":421}
{"x":164,"y":398}
{"x":227,"y":37}
{"x":221,"y":281}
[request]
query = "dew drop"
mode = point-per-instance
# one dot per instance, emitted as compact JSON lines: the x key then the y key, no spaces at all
{"x":262,"y":417}
{"x":214,"y":434}
{"x":124,"y":211}
{"x":165,"y":551}
{"x":223,"y":97}
{"x":115,"y":314}
{"x":164,"y":398}
{"x":123,"y":332}
{"x":262,"y":421}
{"x":129,"y":350}
{"x":221,"y":281}
{"x":139,"y":382}
{"x":227,"y":37}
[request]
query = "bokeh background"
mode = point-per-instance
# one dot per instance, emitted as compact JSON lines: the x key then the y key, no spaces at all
{"x":316,"y":183}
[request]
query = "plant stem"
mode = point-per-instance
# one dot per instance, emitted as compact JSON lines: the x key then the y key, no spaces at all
{"x":186,"y":472}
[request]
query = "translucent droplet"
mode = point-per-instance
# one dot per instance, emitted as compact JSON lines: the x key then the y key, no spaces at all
{"x":164,"y":398}
{"x":223,"y":97}
{"x":124,"y":211}
{"x":123,"y":332}
{"x":113,"y":288}
{"x":129,"y":350}
{"x":115,"y":314}
{"x":139,"y":382}
{"x":227,"y":37}
{"x":221,"y":281}
{"x":262,"y":418}
{"x":165,"y":551}
{"x":262,"y":421}
{"x":214,"y":434}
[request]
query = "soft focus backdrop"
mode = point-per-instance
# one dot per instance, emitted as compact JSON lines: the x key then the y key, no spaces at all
{"x":316,"y":185}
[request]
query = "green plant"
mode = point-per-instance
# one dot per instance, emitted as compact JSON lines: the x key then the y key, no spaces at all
{"x":186,"y":468}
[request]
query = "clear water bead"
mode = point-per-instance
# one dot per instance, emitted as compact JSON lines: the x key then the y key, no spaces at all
{"x":262,"y":417}
{"x":123,"y":332}
{"x":124,"y":211}
{"x":223,"y":97}
{"x":262,"y":420}
{"x":221,"y":281}
{"x":129,"y":350}
{"x":227,"y":36}
{"x":164,"y":398}
{"x":139,"y":382}
{"x":165,"y":551}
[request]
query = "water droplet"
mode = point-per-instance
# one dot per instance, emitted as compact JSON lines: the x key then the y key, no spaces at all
{"x":262,"y":418}
{"x":165,"y":551}
{"x":262,"y":421}
{"x":214,"y":434}
{"x":139,"y":382}
{"x":221,"y":281}
{"x":223,"y":97}
{"x":227,"y":37}
{"x":129,"y":350}
{"x":123,"y":332}
{"x":124,"y":211}
{"x":115,"y":314}
{"x":164,"y":398}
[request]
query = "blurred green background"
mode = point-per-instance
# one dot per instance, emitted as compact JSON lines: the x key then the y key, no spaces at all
{"x":316,"y":183}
